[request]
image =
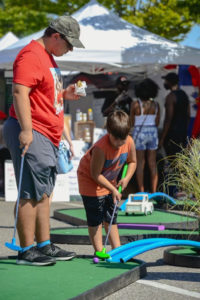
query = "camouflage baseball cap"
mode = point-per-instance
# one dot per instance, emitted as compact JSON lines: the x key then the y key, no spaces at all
{"x":70,"y":28}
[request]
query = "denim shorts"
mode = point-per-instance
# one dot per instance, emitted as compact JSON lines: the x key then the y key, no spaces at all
{"x":99,"y":209}
{"x":39,"y":171}
{"x":145,"y":137}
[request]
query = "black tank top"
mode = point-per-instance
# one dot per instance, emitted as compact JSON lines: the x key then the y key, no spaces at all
{"x":178,"y":129}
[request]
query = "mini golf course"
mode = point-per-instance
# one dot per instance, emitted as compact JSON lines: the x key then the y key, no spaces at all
{"x":162,"y":226}
{"x":77,"y":279}
{"x":82,"y":279}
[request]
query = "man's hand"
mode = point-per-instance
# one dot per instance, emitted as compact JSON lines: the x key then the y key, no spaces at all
{"x":68,"y":93}
{"x":71,"y":149}
{"x":25,"y":139}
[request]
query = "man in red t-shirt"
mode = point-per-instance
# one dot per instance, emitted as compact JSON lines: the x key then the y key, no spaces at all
{"x":36,"y":125}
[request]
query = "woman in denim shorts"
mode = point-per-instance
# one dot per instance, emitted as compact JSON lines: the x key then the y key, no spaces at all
{"x":145,"y":116}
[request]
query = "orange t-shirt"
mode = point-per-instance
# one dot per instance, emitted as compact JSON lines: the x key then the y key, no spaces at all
{"x":115,"y":159}
{"x":35,"y":68}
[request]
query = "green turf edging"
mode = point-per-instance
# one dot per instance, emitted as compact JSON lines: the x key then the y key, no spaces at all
{"x":66,"y":280}
{"x":169,"y":219}
{"x":182,"y":256}
{"x":79,"y":235}
{"x":84,"y":231}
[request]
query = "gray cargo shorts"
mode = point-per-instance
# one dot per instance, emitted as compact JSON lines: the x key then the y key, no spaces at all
{"x":39,"y":172}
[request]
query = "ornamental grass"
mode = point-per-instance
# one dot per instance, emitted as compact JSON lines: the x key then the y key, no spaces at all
{"x":184,"y":174}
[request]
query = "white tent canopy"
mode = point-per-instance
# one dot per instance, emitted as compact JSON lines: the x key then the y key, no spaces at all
{"x":8,"y":39}
{"x":112,"y":44}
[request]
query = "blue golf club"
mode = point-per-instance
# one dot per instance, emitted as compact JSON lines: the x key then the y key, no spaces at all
{"x":13,"y":245}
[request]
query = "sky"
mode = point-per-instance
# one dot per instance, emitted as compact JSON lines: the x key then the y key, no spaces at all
{"x":193,"y":38}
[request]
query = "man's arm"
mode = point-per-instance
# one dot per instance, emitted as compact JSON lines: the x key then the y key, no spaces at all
{"x":169,"y":112}
{"x":22,"y":107}
{"x":67,"y":136}
{"x":118,"y":99}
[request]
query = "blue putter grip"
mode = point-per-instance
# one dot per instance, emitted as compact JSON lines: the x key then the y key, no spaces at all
{"x":123,"y":175}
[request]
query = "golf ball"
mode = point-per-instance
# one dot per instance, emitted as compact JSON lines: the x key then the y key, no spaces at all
{"x":95,"y":260}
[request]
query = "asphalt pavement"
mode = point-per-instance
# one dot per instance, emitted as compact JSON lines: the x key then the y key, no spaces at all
{"x":163,"y":282}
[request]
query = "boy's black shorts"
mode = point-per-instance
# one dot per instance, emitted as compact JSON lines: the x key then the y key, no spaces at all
{"x":99,"y":209}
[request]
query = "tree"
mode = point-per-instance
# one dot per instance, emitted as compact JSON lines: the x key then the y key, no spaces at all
{"x":163,"y":17}
{"x":171,"y":19}
{"x":24,"y":17}
{"x":193,"y":7}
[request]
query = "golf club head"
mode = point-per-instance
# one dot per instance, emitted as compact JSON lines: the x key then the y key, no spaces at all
{"x":13,"y":245}
{"x":102,"y":254}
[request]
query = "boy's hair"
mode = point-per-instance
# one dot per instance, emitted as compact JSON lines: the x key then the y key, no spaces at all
{"x":118,"y":124}
{"x":146,"y":89}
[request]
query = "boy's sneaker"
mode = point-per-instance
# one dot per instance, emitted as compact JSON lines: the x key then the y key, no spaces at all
{"x":57,"y":253}
{"x":33,"y":257}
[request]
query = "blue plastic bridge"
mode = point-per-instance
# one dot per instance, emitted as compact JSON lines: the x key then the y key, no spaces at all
{"x":128,"y":251}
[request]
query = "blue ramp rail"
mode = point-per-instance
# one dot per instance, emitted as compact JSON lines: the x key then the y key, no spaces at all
{"x":130,"y":250}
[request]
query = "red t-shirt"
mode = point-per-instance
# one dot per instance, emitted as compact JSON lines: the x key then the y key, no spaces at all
{"x":115,"y":159}
{"x":35,"y":68}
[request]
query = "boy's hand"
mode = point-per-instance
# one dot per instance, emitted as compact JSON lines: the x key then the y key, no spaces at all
{"x":116,"y":196}
{"x":123,"y":182}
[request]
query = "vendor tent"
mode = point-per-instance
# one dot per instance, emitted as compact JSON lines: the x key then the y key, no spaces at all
{"x":8,"y":39}
{"x":112,"y":45}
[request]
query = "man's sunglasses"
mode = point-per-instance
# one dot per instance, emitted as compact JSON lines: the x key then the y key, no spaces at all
{"x":68,"y":43}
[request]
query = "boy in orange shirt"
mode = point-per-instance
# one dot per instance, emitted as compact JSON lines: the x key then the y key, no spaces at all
{"x":97,"y":177}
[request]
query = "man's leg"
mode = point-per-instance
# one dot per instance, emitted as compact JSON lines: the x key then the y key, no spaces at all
{"x":26,"y":225}
{"x":42,"y":231}
{"x":33,"y":221}
{"x":26,"y":222}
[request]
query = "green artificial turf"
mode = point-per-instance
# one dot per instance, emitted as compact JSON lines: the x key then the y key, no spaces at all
{"x":122,"y":232}
{"x":59,"y":282}
{"x":157,"y":217}
{"x":186,"y":251}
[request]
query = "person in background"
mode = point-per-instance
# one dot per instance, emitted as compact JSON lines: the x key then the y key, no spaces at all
{"x":145,"y":117}
{"x":120,"y":100}
{"x":177,"y":116}
{"x":97,"y":175}
{"x":34,"y":131}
